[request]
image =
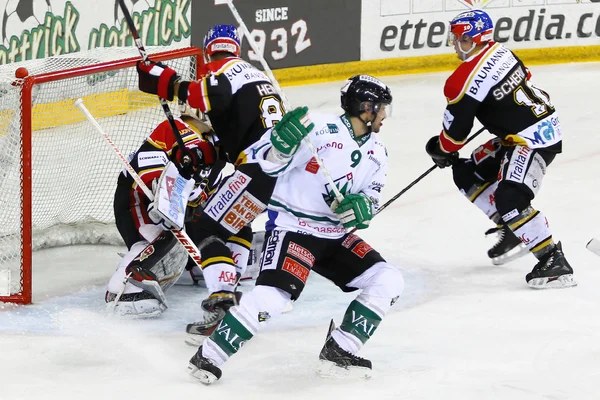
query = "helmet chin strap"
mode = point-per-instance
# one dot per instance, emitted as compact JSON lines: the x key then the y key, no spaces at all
{"x":464,"y":53}
{"x":367,"y":124}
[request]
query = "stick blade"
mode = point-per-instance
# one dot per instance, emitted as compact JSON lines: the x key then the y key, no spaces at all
{"x":594,"y":246}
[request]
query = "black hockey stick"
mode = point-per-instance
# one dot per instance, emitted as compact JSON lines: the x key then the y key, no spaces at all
{"x":163,"y":102}
{"x":413,"y":183}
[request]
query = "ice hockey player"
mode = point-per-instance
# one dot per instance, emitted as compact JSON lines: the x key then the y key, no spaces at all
{"x":154,"y":254}
{"x":502,"y":176}
{"x":242,"y":104}
{"x":306,"y":231}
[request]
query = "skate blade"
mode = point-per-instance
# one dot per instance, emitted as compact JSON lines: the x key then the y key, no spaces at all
{"x":513,"y":254}
{"x":330,"y":370}
{"x":195,"y":340}
{"x":562,"y":282}
{"x":205,"y":377}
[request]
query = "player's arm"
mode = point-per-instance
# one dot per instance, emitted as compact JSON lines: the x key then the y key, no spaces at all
{"x":149,"y":162}
{"x":212,"y":92}
{"x":279,"y":150}
{"x":459,"y":117}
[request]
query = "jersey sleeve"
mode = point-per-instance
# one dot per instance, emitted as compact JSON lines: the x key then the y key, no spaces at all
{"x":211,"y":93}
{"x":459,"y":115}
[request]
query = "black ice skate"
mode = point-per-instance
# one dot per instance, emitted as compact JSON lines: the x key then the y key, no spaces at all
{"x":552,"y":271}
{"x":337,"y":362}
{"x":203,"y":369}
{"x":215,"y":307}
{"x":508,"y":248}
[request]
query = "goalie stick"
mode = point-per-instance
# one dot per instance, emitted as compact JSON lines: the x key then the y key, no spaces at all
{"x":286,"y":103}
{"x":163,"y":102}
{"x":181,"y":236}
{"x":413,"y":183}
{"x":594,"y":246}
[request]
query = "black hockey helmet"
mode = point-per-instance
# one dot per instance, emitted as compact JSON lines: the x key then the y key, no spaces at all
{"x":363,"y":93}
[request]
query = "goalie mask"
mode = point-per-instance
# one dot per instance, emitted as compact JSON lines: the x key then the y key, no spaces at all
{"x":365,"y":93}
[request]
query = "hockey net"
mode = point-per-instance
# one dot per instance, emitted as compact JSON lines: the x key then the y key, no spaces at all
{"x":57,"y":174}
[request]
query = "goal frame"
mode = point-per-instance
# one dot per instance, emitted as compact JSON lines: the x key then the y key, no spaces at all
{"x":28,"y":83}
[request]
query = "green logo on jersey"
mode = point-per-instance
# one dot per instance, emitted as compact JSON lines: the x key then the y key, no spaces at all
{"x":333,"y":128}
{"x":343,"y":184}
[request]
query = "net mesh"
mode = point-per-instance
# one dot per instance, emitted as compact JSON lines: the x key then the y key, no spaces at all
{"x":74,"y":170}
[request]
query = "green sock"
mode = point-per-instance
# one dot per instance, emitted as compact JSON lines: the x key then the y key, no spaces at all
{"x":230,"y":335}
{"x":360,"y":321}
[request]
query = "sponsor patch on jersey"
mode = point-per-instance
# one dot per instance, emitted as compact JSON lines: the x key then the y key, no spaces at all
{"x":301,"y":253}
{"x":295,"y":268}
{"x":448,"y":119}
{"x":271,"y":250}
{"x":350,"y":240}
{"x":226,"y":195}
{"x":517,"y":167}
{"x":312,"y":166}
{"x":362,"y":249}
{"x":243,"y":211}
{"x":333,"y":128}
{"x":152,"y":158}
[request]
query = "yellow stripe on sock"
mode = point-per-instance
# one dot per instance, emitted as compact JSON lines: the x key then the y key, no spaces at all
{"x":240,"y":241}
{"x":540,"y":246}
{"x":214,"y":260}
{"x":478,"y":192}
{"x":513,"y":227}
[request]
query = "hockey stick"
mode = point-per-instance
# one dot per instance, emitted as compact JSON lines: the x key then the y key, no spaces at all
{"x":181,"y":236}
{"x":163,"y":102}
{"x":594,"y":246}
{"x":286,"y":103}
{"x":413,"y":183}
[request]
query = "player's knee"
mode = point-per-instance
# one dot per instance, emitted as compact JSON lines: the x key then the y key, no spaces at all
{"x":383,"y":281}
{"x":511,"y":199}
{"x":265,"y":299}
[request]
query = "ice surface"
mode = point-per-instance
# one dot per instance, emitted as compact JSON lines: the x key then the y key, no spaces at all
{"x":464,"y":329}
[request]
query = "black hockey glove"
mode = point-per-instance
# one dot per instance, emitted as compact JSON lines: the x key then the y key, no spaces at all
{"x":157,"y":78}
{"x":440,"y":157}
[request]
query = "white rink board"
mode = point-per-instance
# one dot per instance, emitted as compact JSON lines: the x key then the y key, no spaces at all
{"x":405,"y":28}
{"x":463,"y":329}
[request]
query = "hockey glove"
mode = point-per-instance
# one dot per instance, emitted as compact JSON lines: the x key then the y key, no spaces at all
{"x":287,"y":134}
{"x":157,"y":78}
{"x":440,"y":157}
{"x":202,"y":156}
{"x":356,"y":210}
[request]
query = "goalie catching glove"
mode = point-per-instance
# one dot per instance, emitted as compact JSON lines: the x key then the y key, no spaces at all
{"x":171,"y":194}
{"x":157,"y":78}
{"x":287,"y":134}
{"x":356,"y":210}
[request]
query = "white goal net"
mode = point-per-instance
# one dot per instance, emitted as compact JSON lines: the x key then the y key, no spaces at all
{"x":57,"y":174}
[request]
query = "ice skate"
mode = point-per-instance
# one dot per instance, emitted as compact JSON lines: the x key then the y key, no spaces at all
{"x":203,"y":369}
{"x":335,"y":362}
{"x":552,"y":271}
{"x":215,"y":307}
{"x":508,"y":248}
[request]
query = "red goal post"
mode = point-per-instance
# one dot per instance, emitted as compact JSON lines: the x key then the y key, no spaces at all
{"x":57,"y":175}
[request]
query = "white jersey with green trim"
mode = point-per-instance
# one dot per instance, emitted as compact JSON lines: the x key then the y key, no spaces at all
{"x":302,"y":197}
